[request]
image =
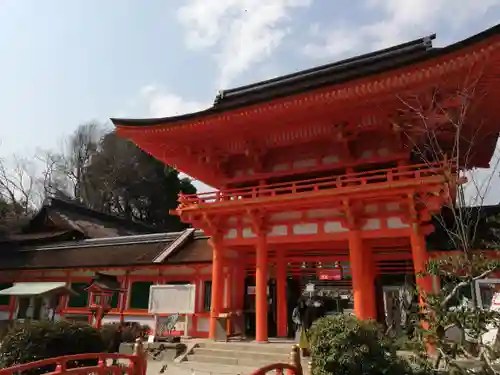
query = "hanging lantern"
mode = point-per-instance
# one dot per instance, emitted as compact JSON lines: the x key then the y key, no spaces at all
{"x":101,"y":291}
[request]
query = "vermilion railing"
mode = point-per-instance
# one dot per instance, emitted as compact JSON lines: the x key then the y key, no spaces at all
{"x":292,"y":368}
{"x":399,"y":174}
{"x":279,"y":369}
{"x":67,"y":365}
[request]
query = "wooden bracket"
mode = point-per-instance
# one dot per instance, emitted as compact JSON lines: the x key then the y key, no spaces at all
{"x":413,"y":210}
{"x":212,"y":225}
{"x":259,"y":221}
{"x":256,"y":155}
{"x":353,"y":213}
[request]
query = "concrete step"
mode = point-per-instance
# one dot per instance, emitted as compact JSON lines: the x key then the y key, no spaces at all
{"x":234,"y":361}
{"x":250,"y":346}
{"x":249,"y":354}
{"x":202,"y":368}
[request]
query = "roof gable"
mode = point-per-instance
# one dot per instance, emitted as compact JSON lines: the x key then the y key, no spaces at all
{"x":188,"y":246}
{"x":58,"y":214}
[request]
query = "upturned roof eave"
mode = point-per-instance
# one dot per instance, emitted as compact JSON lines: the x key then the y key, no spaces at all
{"x":408,"y":53}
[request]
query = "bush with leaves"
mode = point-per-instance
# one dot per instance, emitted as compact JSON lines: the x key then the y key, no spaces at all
{"x":345,"y":345}
{"x":37,"y":340}
{"x":445,"y":311}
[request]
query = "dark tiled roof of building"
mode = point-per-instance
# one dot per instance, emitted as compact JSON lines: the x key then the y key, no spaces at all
{"x":198,"y":250}
{"x":109,"y":252}
{"x":365,"y":65}
{"x":57,"y":214}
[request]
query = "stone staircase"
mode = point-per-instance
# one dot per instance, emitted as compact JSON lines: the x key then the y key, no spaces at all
{"x":233,"y":357}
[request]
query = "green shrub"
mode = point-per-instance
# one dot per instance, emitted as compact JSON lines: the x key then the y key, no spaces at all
{"x":344,"y":345}
{"x":36,"y":340}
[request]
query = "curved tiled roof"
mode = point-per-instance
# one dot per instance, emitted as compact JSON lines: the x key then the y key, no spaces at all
{"x":365,"y":65}
{"x":138,"y":250}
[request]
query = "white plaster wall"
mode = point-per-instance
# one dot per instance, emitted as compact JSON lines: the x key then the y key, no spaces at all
{"x":4,"y":315}
{"x":395,"y":222}
{"x":306,"y":228}
{"x":278,"y":230}
{"x":231,"y":233}
{"x":203,"y":324}
{"x":334,"y":227}
{"x":111,"y":319}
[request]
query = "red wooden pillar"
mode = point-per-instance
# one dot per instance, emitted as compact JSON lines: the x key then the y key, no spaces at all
{"x":217,"y":284}
{"x":12,"y":307}
{"x":362,"y":281}
{"x":282,"y":306}
{"x":420,"y":258}
{"x":261,"y":289}
{"x":124,"y":296}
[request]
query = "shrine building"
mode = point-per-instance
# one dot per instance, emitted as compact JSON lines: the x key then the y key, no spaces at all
{"x":65,"y":245}
{"x":320,"y":167}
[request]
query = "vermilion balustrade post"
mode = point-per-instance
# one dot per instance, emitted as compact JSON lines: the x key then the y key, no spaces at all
{"x":142,"y":363}
{"x":60,"y":367}
{"x":295,"y":361}
{"x":101,"y":363}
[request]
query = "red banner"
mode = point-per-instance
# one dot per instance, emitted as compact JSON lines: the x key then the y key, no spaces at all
{"x":330,"y":274}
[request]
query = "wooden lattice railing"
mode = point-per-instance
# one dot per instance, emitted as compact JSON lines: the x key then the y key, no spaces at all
{"x":105,"y":364}
{"x":394,"y":176}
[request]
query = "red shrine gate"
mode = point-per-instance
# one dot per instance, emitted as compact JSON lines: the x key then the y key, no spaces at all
{"x":319,"y":166}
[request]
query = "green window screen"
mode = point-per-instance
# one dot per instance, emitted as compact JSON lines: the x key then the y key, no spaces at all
{"x":4,"y":300}
{"x":139,"y":295}
{"x":80,"y":300}
{"x":115,"y":300}
{"x":207,"y":295}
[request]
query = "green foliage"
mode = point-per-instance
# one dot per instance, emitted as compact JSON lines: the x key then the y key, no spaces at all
{"x":12,"y":214}
{"x":344,"y":345}
{"x":37,"y":340}
{"x":126,"y":181}
{"x":446,"y":310}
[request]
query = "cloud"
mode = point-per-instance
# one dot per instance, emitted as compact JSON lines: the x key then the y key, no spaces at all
{"x":241,"y":32}
{"x":399,"y":22}
{"x":159,"y":103}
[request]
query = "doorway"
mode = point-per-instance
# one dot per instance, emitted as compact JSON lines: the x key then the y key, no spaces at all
{"x":249,"y":307}
{"x":292,"y":295}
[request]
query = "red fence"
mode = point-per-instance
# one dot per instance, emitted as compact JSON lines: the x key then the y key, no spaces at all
{"x":106,"y":364}
{"x":393,"y":175}
{"x":292,"y":368}
{"x":136,"y":364}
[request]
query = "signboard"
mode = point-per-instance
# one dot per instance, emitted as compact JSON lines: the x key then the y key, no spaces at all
{"x":171,"y":299}
{"x":330,"y":274}
{"x":495,"y":302}
{"x":310,"y":288}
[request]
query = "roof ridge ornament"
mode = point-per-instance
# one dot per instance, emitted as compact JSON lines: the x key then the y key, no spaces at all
{"x":219,"y":97}
{"x":427,"y":41}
